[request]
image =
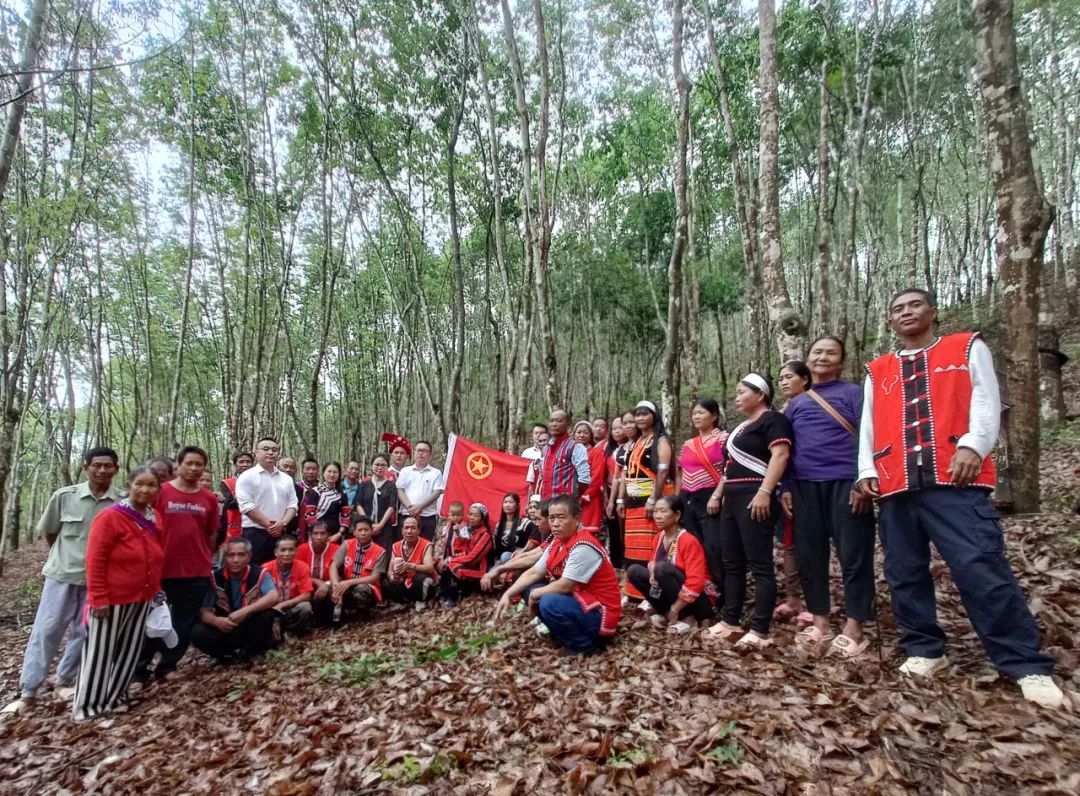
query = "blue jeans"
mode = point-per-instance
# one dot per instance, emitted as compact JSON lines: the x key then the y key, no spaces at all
{"x":569,"y":623}
{"x":964,"y":527}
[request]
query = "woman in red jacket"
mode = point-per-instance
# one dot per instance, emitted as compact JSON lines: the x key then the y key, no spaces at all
{"x":123,"y":577}
{"x":676,"y":582}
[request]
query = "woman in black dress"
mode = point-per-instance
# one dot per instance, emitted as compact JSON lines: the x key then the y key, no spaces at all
{"x":376,"y":499}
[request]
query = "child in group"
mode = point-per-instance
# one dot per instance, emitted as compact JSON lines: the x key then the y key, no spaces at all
{"x":466,"y":559}
{"x":455,"y":517}
{"x":318,"y":553}
{"x":357,"y":573}
{"x":292,"y":581}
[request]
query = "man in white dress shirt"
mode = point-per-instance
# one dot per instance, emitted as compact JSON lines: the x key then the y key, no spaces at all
{"x":419,"y":487}
{"x":267,"y":499}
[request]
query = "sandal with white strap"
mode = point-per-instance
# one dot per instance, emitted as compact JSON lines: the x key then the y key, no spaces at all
{"x":723,"y":631}
{"x":753,"y":641}
{"x":680,"y":628}
{"x":811,"y":638}
{"x":848,"y":649}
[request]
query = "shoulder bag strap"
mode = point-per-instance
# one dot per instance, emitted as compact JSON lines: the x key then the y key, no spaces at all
{"x":831,"y":412}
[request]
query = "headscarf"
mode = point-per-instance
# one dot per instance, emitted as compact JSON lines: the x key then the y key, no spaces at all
{"x":758,"y":383}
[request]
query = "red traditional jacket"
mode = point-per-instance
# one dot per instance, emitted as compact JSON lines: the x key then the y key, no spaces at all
{"x":921,"y":409}
{"x":233,"y":517}
{"x":592,"y":509}
{"x":467,"y":558}
{"x":364,"y":565}
{"x":318,"y":563}
{"x":686,"y":553}
{"x":415,"y":557}
{"x":602,"y":591}
{"x":298,"y":582}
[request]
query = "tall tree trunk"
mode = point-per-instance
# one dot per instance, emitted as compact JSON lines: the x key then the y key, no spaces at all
{"x":824,"y":208}
{"x":670,"y":392}
{"x":178,"y":367}
{"x":790,"y":328}
{"x":1023,"y":219}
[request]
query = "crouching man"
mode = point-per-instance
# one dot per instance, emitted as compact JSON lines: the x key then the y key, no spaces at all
{"x":237,"y":619}
{"x":581,"y":601}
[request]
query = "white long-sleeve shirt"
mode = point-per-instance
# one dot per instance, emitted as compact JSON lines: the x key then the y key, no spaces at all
{"x":984,"y":416}
{"x":271,"y":491}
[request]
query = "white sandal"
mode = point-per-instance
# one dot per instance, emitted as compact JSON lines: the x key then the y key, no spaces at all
{"x":753,"y":641}
{"x":680,"y":628}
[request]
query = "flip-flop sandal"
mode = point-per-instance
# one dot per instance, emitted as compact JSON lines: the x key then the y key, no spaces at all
{"x":811,"y":638}
{"x":722,"y":631}
{"x":848,"y":649}
{"x":680,"y":628}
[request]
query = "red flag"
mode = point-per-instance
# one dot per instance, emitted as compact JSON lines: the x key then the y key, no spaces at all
{"x":475,"y":474}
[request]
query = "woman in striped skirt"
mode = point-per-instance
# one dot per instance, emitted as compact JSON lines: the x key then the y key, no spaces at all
{"x":647,"y":477}
{"x":123,"y":577}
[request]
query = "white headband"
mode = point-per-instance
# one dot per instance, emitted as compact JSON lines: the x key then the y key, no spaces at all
{"x":647,"y":405}
{"x":758,"y":383}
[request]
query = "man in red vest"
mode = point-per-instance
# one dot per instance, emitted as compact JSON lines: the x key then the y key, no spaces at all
{"x":930,"y":419}
{"x":581,"y":601}
{"x":563,"y":466}
{"x":318,"y":553}
{"x":357,"y":572}
{"x":230,"y":510}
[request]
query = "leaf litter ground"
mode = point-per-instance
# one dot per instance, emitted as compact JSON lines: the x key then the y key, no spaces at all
{"x":437,"y":702}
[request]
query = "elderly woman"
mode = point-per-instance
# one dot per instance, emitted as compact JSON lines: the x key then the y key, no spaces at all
{"x":677,"y":579}
{"x":646,"y":477}
{"x":592,"y":499}
{"x":826,"y":506}
{"x":757,"y":453}
{"x":466,"y":559}
{"x":124,"y":557}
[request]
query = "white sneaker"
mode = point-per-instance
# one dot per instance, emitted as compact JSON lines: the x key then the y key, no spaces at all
{"x":420,"y":605}
{"x":542,"y":630}
{"x":65,"y":693}
{"x":16,"y":707}
{"x":1042,"y":690}
{"x":923,"y":667}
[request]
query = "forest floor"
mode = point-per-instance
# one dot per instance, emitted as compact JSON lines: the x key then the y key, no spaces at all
{"x":437,"y":702}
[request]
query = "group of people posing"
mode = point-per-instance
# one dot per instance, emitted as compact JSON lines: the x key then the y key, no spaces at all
{"x":616,"y":518}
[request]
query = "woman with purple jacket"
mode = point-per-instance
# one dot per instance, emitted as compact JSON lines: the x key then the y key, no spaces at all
{"x":826,"y":505}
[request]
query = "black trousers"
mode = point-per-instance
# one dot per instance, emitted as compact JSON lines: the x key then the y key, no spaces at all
{"x":428,"y":526}
{"x":616,"y":541}
{"x":421,"y":590}
{"x":253,"y":637}
{"x":706,"y":527}
{"x":822,"y":513}
{"x":670,"y":579}
{"x":454,"y":588}
{"x":185,"y":596}
{"x":360,"y":599}
{"x":747,"y":544}
{"x":262,"y":544}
